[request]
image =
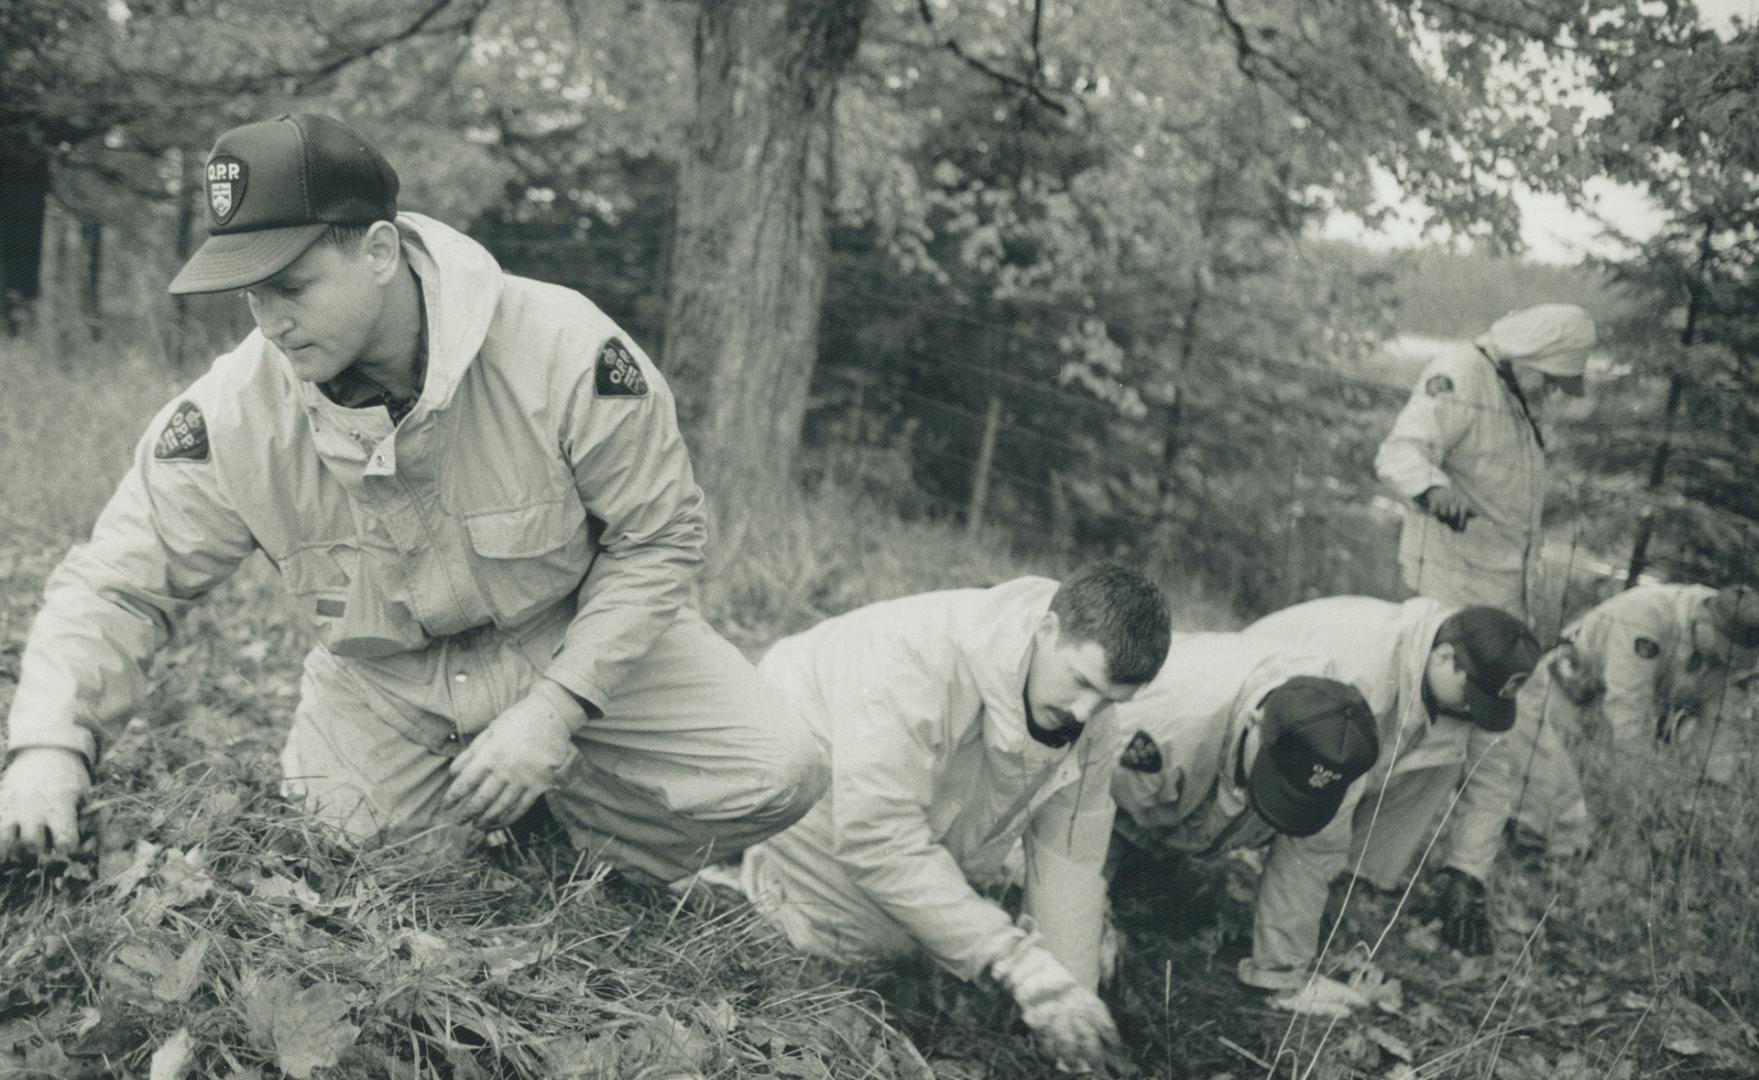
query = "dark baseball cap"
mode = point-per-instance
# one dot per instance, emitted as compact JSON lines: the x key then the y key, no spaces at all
{"x":1497,"y":652}
{"x":1734,"y":613}
{"x":1316,"y":738}
{"x":272,"y":189}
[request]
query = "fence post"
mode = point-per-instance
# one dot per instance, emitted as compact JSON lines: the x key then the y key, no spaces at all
{"x":986,"y":452}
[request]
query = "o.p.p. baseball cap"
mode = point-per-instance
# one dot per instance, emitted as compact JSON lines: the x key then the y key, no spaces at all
{"x":272,"y":189}
{"x":1315,"y":739}
{"x":1498,"y":653}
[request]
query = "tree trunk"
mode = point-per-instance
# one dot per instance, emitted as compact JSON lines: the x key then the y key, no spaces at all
{"x":91,"y":285}
{"x":750,"y":247}
{"x":24,"y":200}
{"x":986,"y":455}
{"x":1676,"y":387}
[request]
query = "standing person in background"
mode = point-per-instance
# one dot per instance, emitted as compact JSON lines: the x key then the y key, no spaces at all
{"x":475,"y":487}
{"x":1442,"y":683}
{"x":1651,"y":665}
{"x":963,"y":723}
{"x":1242,"y":743}
{"x":1468,"y":454}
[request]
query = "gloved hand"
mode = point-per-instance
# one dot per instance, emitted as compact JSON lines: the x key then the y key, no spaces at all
{"x":519,"y":756}
{"x":1447,"y":506}
{"x":39,"y":800}
{"x":1464,"y":907}
{"x":1072,"y":1025}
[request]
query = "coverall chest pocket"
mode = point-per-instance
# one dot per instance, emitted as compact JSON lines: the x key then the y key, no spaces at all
{"x":346,"y":600}
{"x":527,"y":559}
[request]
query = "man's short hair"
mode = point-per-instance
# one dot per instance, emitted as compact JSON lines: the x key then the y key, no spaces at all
{"x":1120,"y":610}
{"x":346,"y":237}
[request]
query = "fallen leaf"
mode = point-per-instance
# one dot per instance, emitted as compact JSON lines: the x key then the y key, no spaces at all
{"x":305,"y":1029}
{"x":1684,"y":1045}
{"x":89,"y":1018}
{"x":171,"y":1059}
{"x":179,"y":981}
{"x":280,"y":887}
{"x":185,"y":876}
{"x":123,"y":870}
{"x":503,"y":960}
{"x":721,"y":1017}
{"x":1389,"y":1042}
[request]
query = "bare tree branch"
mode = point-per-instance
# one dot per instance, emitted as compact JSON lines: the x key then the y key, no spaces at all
{"x":1028,"y":86}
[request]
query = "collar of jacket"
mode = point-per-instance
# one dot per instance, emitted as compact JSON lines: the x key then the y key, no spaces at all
{"x":1418,"y":621}
{"x":460,"y":290}
{"x":1505,"y":374}
{"x":993,"y":641}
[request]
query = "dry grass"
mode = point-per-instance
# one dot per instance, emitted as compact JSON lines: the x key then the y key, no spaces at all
{"x":208,"y":919}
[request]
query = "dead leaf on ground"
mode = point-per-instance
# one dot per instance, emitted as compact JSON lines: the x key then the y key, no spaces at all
{"x":1389,"y":1042}
{"x":170,"y":978}
{"x":1684,"y":1045}
{"x":123,"y":870}
{"x":185,"y":876}
{"x":172,"y":1059}
{"x":305,"y":1029}
{"x":280,"y":887}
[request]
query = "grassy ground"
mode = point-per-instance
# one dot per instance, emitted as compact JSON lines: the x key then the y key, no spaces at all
{"x":210,"y":931}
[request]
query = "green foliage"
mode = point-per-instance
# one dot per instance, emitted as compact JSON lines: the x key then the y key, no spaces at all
{"x":1675,"y":440}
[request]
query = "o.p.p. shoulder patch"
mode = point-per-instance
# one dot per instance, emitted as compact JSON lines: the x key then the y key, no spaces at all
{"x":185,"y":437}
{"x":1647,"y":648}
{"x":1438,"y":385}
{"x":1142,"y":754}
{"x":617,"y":374}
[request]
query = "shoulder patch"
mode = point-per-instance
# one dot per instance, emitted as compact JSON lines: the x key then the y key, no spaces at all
{"x":617,"y":374}
{"x":1142,"y":754}
{"x":1438,"y":385}
{"x":185,"y":437}
{"x":1647,"y":648}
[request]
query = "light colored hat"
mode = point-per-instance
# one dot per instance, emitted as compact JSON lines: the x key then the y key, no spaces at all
{"x":1552,"y":338}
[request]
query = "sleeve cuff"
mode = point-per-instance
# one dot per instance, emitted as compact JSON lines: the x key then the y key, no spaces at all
{"x":583,"y":693}
{"x":574,"y":711}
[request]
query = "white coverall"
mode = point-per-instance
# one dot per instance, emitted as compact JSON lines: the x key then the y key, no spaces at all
{"x":934,"y":779}
{"x":1464,"y":428}
{"x":1202,"y":712}
{"x":534,"y":514}
{"x":1639,"y":645}
{"x":1381,"y":648}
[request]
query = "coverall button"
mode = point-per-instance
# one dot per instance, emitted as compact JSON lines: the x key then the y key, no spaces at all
{"x":461,"y":677}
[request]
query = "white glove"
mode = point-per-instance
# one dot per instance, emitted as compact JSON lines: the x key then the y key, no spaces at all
{"x":1072,"y":1025}
{"x":39,"y":800}
{"x":523,"y":753}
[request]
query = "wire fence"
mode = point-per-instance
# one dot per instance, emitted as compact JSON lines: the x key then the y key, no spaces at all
{"x":1028,"y":445}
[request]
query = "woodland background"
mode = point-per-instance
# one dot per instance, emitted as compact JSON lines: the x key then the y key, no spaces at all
{"x":949,"y":291}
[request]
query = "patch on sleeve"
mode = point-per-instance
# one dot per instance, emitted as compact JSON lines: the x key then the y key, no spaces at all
{"x":1647,"y":648}
{"x":1142,"y":754}
{"x":1438,"y":385}
{"x":185,"y":437}
{"x":618,"y":375}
